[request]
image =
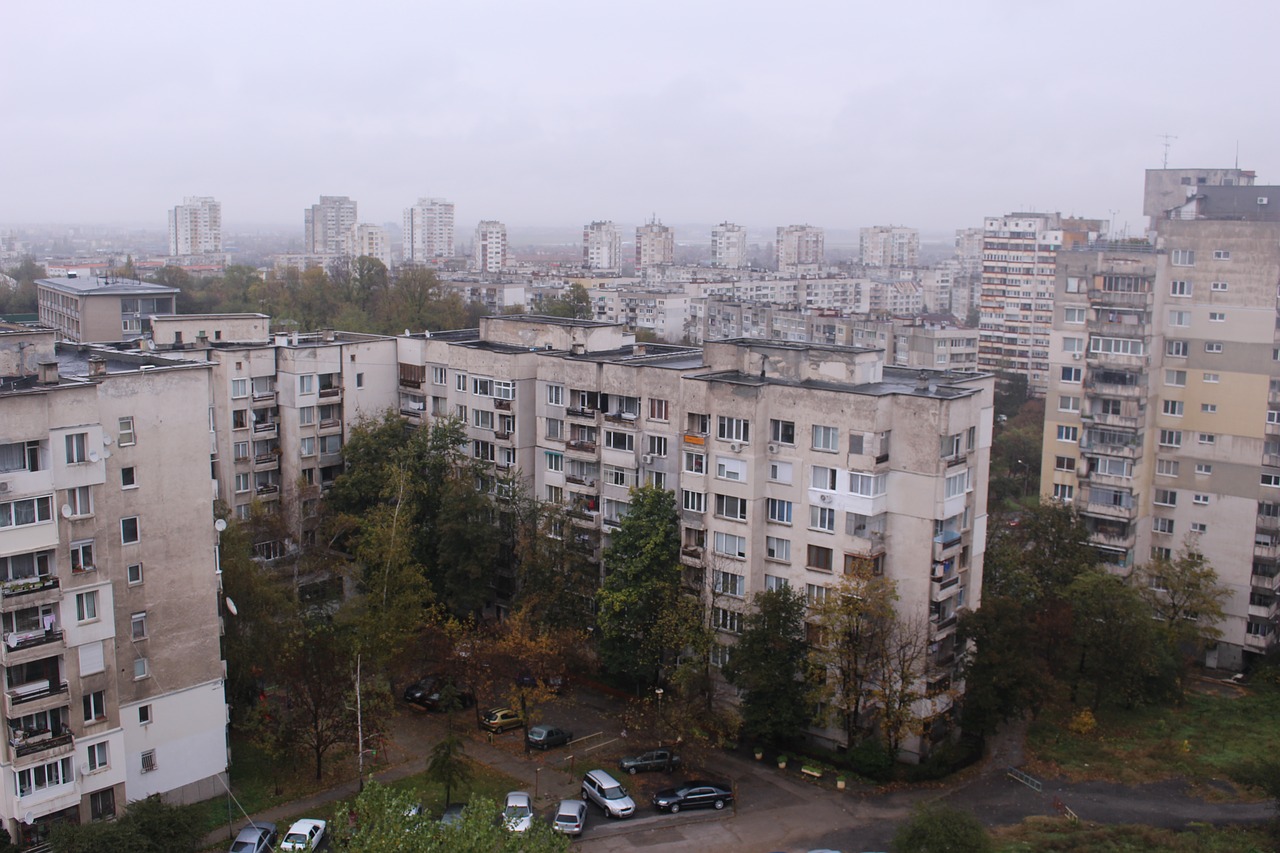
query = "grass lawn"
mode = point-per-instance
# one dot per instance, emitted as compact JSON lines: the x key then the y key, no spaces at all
{"x":1204,"y":739}
{"x":1054,"y":835}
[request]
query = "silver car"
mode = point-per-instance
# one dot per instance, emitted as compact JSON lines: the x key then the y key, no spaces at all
{"x":258,"y":837}
{"x":571,"y":817}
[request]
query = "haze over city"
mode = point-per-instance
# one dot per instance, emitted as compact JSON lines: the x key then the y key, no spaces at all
{"x":560,"y":113}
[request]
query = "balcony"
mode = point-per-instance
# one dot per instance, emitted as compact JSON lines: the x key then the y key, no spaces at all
{"x":266,"y":461}
{"x":1124,"y":390}
{"x":265,"y":428}
{"x":1122,"y":421}
{"x":1119,"y":330}
{"x":42,"y":743}
{"x":698,"y":439}
{"x":1273,"y":428}
{"x":30,"y":592}
{"x":330,"y":424}
{"x":1124,"y":299}
{"x":267,"y":489}
{"x":27,"y":646}
{"x":582,"y":414}
{"x":502,"y":405}
{"x":1263,"y":551}
{"x":34,"y":697}
{"x":625,"y":418}
{"x":692,"y":552}
{"x":261,"y":395}
{"x":947,"y":544}
{"x":329,"y":393}
{"x":502,"y":435}
{"x":580,"y":446}
{"x":1115,"y":359}
{"x":944,"y":589}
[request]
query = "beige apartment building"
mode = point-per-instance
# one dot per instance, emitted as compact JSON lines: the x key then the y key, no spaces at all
{"x":791,"y":461}
{"x":1163,"y":415}
{"x":108,"y":583}
{"x":101,"y":308}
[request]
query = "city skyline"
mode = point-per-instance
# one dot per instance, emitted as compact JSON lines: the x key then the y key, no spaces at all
{"x":934,"y":118}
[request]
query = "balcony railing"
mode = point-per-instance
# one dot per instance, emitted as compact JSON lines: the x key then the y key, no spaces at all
{"x":583,"y":413}
{"x":20,"y":696}
{"x":502,"y":405}
{"x":265,"y":426}
{"x":332,"y":391}
{"x":34,"y":743}
{"x":27,"y":586}
{"x":697,"y":438}
{"x":15,"y":642}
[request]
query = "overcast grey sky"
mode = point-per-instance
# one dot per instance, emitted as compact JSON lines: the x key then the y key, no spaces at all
{"x":555,"y":113}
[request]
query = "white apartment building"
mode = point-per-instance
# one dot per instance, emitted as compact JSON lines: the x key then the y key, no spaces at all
{"x":655,"y":246}
{"x":792,"y":462}
{"x":195,"y":227}
{"x":371,"y":241}
{"x":428,"y":231}
{"x":799,"y":249}
{"x":729,"y":246}
{"x":326,"y":225}
{"x":665,"y":313}
{"x":888,"y":246}
{"x":1162,"y":422}
{"x":108,"y":584}
{"x":489,"y":248}
{"x":602,"y":247}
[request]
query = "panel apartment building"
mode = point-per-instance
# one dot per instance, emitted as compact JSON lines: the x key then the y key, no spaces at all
{"x":108,"y":584}
{"x":791,"y":461}
{"x":1163,"y":424}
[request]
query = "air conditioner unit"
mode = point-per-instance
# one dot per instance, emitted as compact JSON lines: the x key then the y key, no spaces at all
{"x":4,"y":486}
{"x":646,"y":459}
{"x":735,"y":447}
{"x":826,"y":499}
{"x":1075,"y":356}
{"x":773,"y":448}
{"x":1262,"y":199}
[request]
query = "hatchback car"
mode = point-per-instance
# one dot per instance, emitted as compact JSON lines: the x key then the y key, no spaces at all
{"x":655,"y":759}
{"x":305,"y":834}
{"x":607,"y":793}
{"x":571,"y":817}
{"x":517,"y":814}
{"x":501,"y":720}
{"x":257,"y":837}
{"x":545,"y":737}
{"x":693,"y":795}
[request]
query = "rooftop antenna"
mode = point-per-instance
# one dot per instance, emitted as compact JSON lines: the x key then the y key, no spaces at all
{"x":1237,"y":153}
{"x":1168,"y":140}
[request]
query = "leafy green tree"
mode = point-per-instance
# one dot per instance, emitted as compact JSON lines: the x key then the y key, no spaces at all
{"x":937,"y":828}
{"x":576,"y":304}
{"x":448,"y":766}
{"x":1005,"y":674}
{"x":1037,"y":559}
{"x":1186,"y":598}
{"x":642,"y":585}
{"x":148,"y":825}
{"x":769,"y":666}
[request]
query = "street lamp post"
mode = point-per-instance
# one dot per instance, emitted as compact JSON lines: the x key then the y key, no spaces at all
{"x":658,"y":692}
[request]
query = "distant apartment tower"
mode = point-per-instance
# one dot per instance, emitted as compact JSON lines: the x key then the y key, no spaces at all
{"x":969,"y":250}
{"x":601,"y":246}
{"x":655,"y":245}
{"x":1016,"y":299}
{"x":428,"y":231}
{"x":489,"y":249}
{"x":1162,"y":423}
{"x":889,"y":246}
{"x":371,"y":241}
{"x":799,"y":248}
{"x":195,"y":227}
{"x":327,"y":224}
{"x":729,"y":246}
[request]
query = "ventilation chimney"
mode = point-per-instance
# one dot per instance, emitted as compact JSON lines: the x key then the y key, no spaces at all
{"x":97,"y":365}
{"x":47,"y":373}
{"x":202,"y":339}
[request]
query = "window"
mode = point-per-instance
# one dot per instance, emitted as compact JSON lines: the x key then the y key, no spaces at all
{"x":95,"y":706}
{"x":1063,"y":492}
{"x":1165,"y":497}
{"x":79,"y":500}
{"x":657,"y":445}
{"x":1200,"y":500}
{"x":1072,"y":375}
{"x":1067,"y":403}
{"x":727,"y":583}
{"x":1064,"y":463}
{"x":1199,"y":527}
{"x":504,"y":389}
{"x":242,"y":480}
{"x":1068,"y":433}
{"x":659,"y":410}
{"x":330,"y":444}
{"x":1073,"y":344}
{"x":823,"y":478}
{"x":1179,"y":288}
{"x":102,"y":804}
{"x":780,"y":472}
{"x":727,"y":620}
{"x":1206,"y":438}
{"x":1221,"y":255}
{"x":731,"y":469}
{"x":783,"y":432}
{"x":615,"y":476}
{"x":77,"y":447}
{"x":1211,"y":378}
{"x":82,"y":556}
{"x":1271,"y":480}
{"x":240,"y":419}
{"x":307,"y":446}
{"x":1117,"y":346}
{"x":619,"y":440}
{"x":241,"y":450}
{"x":695,"y":463}
{"x":438,"y":375}
{"x":1167,"y":467}
{"x":1213,"y":346}
{"x":1218,"y":286}
{"x":483,"y":450}
{"x":657,"y":479}
{"x":815,"y":594}
{"x":44,"y":776}
{"x":1175,"y":378}
{"x":1073,"y":315}
{"x":729,"y":506}
{"x":86,"y":606}
{"x":144,"y":715}
{"x":822,"y":518}
{"x":482,"y":418}
{"x":957,"y":484}
{"x":1217,"y":316}
{"x":856,"y":442}
{"x":306,"y":384}
{"x":729,"y":545}
{"x":149,"y":761}
{"x":141,"y":669}
{"x":1182,"y":258}
{"x":306,"y":415}
{"x":125,"y":436}
{"x":482,"y":387}
{"x":733,"y":429}
{"x":555,"y":428}
{"x":239,"y":388}
{"x":555,"y":494}
{"x":26,"y":511}
{"x":1170,"y":438}
{"x":1204,"y":468}
{"x":777,"y":549}
{"x":693,"y":501}
{"x":819,"y":558}
{"x":779,"y":511}
{"x":134,"y":573}
{"x":97,"y":756}
{"x":460,"y":382}
{"x":1175,"y":349}
{"x":555,"y":461}
{"x":826,"y":438}
{"x":719,"y":655}
{"x":1173,"y":408}
{"x":773,"y":583}
{"x":699,"y":424}
{"x":1179,"y":318}
{"x":1162,"y":525}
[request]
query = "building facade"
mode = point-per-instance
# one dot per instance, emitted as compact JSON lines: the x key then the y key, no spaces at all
{"x":655,"y":246}
{"x":369,"y":241}
{"x":428,"y":231}
{"x":729,"y":246}
{"x":327,"y":225}
{"x":489,"y":249}
{"x":889,"y":246}
{"x":602,"y":247}
{"x":1163,"y":415}
{"x":799,"y":249}
{"x":195,"y":227}
{"x":101,"y":309}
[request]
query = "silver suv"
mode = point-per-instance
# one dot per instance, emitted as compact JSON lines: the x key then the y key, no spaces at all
{"x":607,"y":793}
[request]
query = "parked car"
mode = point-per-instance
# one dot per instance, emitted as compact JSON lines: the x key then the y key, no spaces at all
{"x":452,"y":814}
{"x":305,"y":834}
{"x":694,"y":794}
{"x":501,"y":719}
{"x":607,"y":793}
{"x":258,"y":837}
{"x":571,"y":817}
{"x":517,"y":815}
{"x":655,"y":759}
{"x":545,"y":737}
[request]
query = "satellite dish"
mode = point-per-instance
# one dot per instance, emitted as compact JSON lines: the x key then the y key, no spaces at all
{"x":220,"y":525}
{"x":106,"y":454}
{"x":407,"y":333}
{"x":66,"y":510}
{"x":231,"y":607}
{"x":29,"y":818}
{"x":93,"y":456}
{"x":106,"y":439}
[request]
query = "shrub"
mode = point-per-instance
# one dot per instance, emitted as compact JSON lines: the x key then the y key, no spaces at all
{"x":935,"y":827}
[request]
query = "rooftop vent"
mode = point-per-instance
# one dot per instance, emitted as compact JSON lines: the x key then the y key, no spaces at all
{"x":47,"y":373}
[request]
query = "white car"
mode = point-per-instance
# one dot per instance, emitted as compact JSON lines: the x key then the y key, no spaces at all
{"x":517,"y":816}
{"x":305,"y":834}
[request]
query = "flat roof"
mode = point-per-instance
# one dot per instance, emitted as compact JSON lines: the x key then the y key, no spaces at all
{"x":106,"y":286}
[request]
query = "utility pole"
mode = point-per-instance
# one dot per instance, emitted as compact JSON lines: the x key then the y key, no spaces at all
{"x":359,"y":729}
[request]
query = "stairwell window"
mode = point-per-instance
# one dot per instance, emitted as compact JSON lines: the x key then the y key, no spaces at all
{"x":126,"y":436}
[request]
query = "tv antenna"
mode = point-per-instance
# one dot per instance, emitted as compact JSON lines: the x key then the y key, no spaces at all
{"x":1168,"y":140}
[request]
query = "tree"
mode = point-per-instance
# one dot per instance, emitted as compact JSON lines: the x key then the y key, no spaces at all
{"x":1005,"y":675}
{"x":448,"y":765}
{"x":1186,"y":598}
{"x":934,"y":828}
{"x":768,"y":666}
{"x":897,"y":691}
{"x":148,"y":825}
{"x":1036,"y":560}
{"x":641,"y":587}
